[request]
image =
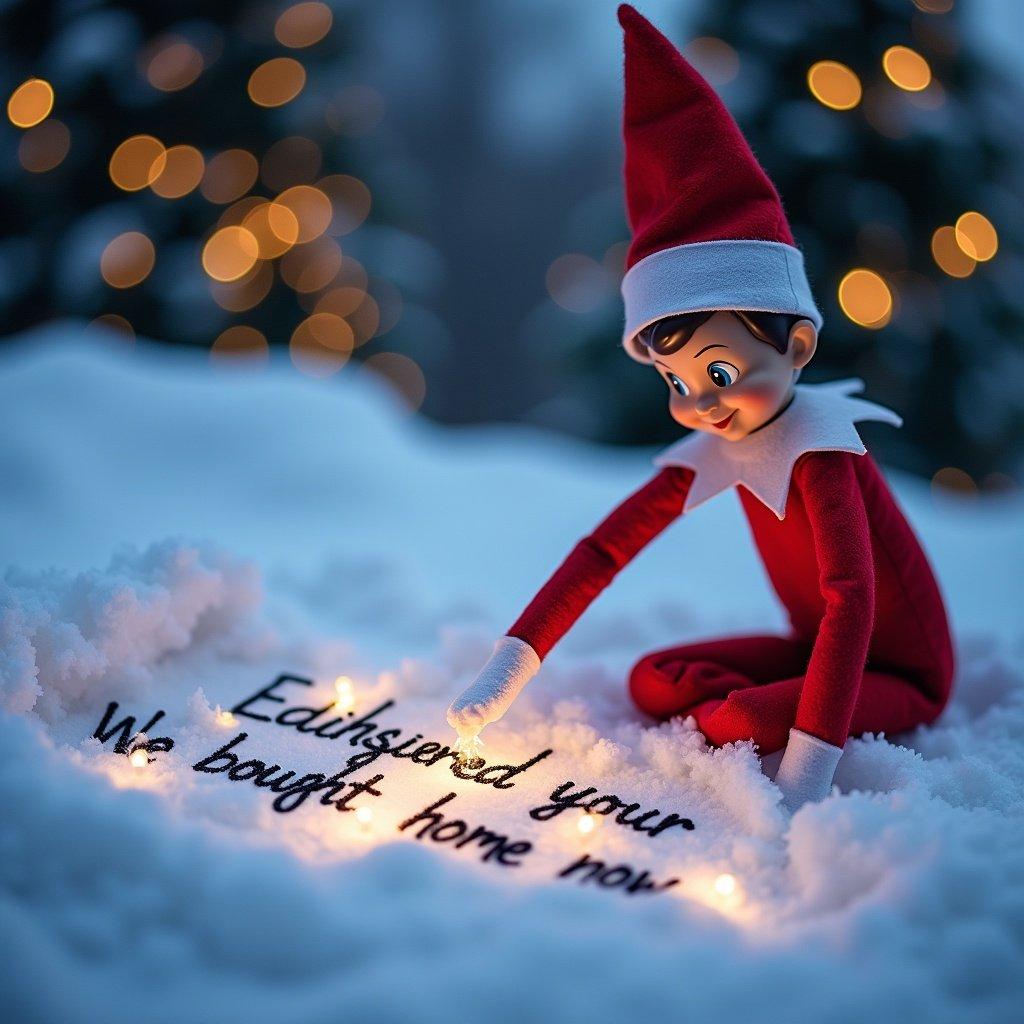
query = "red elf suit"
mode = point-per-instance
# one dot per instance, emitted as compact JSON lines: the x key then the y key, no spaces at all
{"x":869,"y":647}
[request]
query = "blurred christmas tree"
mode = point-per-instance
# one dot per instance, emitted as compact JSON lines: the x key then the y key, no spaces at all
{"x":899,"y":157}
{"x":184,"y":170}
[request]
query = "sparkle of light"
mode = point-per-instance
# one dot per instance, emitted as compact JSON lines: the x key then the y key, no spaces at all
{"x":182,"y":171}
{"x":30,"y":103}
{"x":127,"y":260}
{"x":138,"y":758}
{"x":725,"y":884}
{"x":137,"y":162}
{"x":276,"y":82}
{"x":865,"y":298}
{"x":976,"y":235}
{"x":948,"y":254}
{"x":230,"y":253}
{"x":229,"y":175}
{"x":303,"y":25}
{"x":45,"y":146}
{"x":834,"y":85}
{"x":906,"y":68}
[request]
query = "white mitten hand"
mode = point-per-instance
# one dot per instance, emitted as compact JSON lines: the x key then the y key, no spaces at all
{"x":807,"y":769}
{"x":512,"y":665}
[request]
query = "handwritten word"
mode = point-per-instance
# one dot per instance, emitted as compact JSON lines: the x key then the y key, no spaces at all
{"x":378,"y":742}
{"x":562,"y":800}
{"x":613,"y":878}
{"x":292,"y":794}
{"x":129,"y":734}
{"x":497,"y":846}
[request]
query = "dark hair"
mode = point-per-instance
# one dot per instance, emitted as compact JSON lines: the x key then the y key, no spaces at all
{"x":671,"y":333}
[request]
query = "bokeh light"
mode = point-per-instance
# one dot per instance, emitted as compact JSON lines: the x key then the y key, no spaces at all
{"x":113,"y":324}
{"x":171,"y":63}
{"x":906,"y":68}
{"x":127,"y":260}
{"x":578,"y":283}
{"x":230,"y":253}
{"x":276,"y":82}
{"x":30,"y":103}
{"x":45,"y":146}
{"x":275,"y":228}
{"x":947,"y":253}
{"x":229,"y":175}
{"x":295,"y":160}
{"x":865,"y":298}
{"x":303,"y":25}
{"x":714,"y":58}
{"x":310,"y":267}
{"x":321,"y":344}
{"x":137,"y":162}
{"x":240,"y":344}
{"x":245,"y":293}
{"x":404,"y":375}
{"x":350,"y":200}
{"x":311,"y":207}
{"x":834,"y":85}
{"x":951,"y":480}
{"x":182,"y":171}
{"x":976,"y":235}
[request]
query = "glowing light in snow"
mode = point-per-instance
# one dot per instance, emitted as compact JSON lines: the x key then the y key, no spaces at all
{"x":586,"y":824}
{"x":138,"y":758}
{"x":225,"y":718}
{"x":345,"y":698}
{"x":725,"y":884}
{"x":364,"y":815}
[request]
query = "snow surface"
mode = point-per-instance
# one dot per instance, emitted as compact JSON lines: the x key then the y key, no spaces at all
{"x":179,"y":535}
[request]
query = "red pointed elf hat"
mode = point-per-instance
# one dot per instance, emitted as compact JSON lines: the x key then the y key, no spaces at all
{"x":709,"y":231}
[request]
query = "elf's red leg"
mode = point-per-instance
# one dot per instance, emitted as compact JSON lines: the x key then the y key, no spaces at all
{"x":765,"y":714}
{"x":671,"y":681}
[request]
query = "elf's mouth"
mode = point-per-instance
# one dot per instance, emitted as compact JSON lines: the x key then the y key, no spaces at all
{"x":722,"y":424}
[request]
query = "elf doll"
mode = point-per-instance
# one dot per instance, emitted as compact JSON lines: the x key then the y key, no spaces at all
{"x":718,"y":304}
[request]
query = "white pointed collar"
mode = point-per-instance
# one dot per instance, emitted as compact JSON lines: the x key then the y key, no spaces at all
{"x":820,"y":418}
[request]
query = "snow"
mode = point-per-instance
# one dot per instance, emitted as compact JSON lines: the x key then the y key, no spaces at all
{"x":180,"y":535}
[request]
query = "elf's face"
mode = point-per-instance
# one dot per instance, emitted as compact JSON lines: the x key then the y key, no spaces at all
{"x":729,"y":383}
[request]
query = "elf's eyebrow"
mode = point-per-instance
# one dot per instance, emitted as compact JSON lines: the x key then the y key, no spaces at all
{"x":706,"y":347}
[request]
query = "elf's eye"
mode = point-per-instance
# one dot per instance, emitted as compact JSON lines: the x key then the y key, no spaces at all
{"x":676,"y":384}
{"x":723,"y":374}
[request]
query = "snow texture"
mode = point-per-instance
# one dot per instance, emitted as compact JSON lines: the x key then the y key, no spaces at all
{"x":341,"y":537}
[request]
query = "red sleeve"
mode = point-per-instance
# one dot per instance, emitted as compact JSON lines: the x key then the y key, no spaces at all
{"x":596,"y":559}
{"x":846,"y":577}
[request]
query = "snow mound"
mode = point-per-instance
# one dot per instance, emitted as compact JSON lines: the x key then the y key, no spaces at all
{"x":348,"y":541}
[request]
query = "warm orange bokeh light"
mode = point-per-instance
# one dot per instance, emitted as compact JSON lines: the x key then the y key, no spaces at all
{"x":906,"y":68}
{"x":171,"y":63}
{"x":321,"y":344}
{"x":229,"y":175}
{"x":275,"y":228}
{"x":127,"y":260}
{"x":976,"y":235}
{"x":276,"y":82}
{"x":311,"y":207}
{"x":182,"y":171}
{"x":865,"y":298}
{"x":137,"y":162}
{"x":403,"y":373}
{"x":230,"y":253}
{"x":246,"y":292}
{"x":310,"y":267}
{"x":239,"y":344}
{"x":340,"y":301}
{"x":947,"y":253}
{"x":834,"y":85}
{"x":30,"y":103}
{"x":303,"y":25}
{"x":45,"y":146}
{"x":350,"y":199}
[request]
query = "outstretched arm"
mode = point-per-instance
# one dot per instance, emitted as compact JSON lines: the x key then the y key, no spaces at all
{"x":846,"y":577}
{"x":589,"y":568}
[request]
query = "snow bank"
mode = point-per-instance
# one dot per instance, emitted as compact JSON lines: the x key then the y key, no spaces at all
{"x":182,"y":895}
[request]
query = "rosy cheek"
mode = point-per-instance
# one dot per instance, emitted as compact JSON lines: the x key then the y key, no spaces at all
{"x":757,"y":398}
